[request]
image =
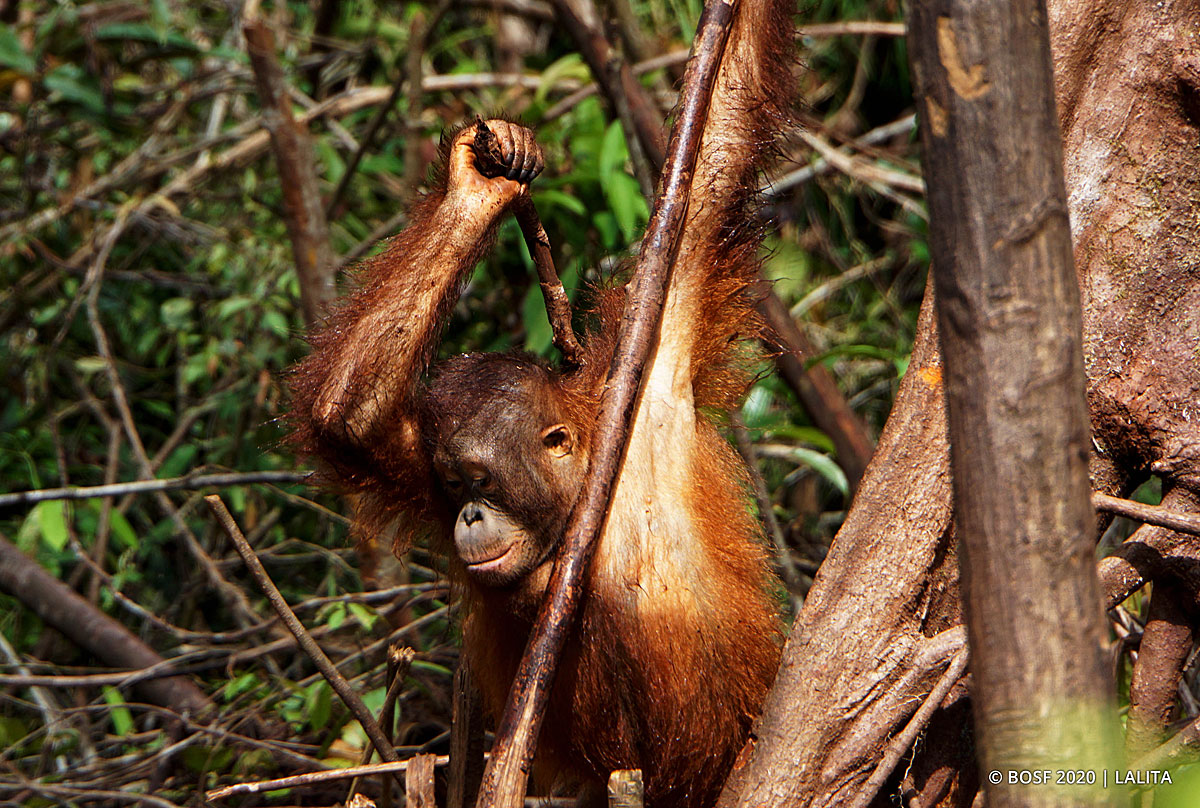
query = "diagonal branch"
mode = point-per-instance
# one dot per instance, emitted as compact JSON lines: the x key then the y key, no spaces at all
{"x":506,"y":774}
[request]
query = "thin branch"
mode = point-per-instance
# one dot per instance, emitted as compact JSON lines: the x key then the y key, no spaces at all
{"x":908,"y":736}
{"x":558,"y":305}
{"x":1148,"y":514}
{"x":408,"y":76}
{"x":859,"y":169}
{"x":391,"y":767}
{"x":92,"y":630}
{"x":307,"y":643}
{"x":902,"y":126}
{"x":505,"y":778}
{"x":582,"y":21}
{"x":185,"y":483}
{"x":766,"y":509}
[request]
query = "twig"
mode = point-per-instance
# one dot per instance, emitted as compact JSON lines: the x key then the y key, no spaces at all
{"x":398,"y":664}
{"x":861,"y":170}
{"x":766,"y":508}
{"x":391,"y":767}
{"x":1182,"y":748}
{"x":904,"y":125}
{"x":903,"y":741}
{"x":1149,"y":514}
{"x":418,"y":42}
{"x":816,"y":390}
{"x":505,"y":778}
{"x":303,"y":212}
{"x":853,"y":28}
{"x":307,"y":643}
{"x":558,"y":305}
{"x":831,"y":286}
{"x":185,"y":483}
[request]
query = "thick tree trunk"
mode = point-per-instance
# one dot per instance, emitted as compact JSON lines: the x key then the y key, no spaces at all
{"x":1128,"y":87}
{"x":1011,"y":337}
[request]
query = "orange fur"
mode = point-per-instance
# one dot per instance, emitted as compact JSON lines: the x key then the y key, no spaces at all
{"x":678,"y":634}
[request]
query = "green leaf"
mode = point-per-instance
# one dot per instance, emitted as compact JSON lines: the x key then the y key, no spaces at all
{"x":70,"y":83}
{"x":550,"y":199}
{"x":179,"y":462}
{"x":122,"y":719}
{"x":336,"y":616}
{"x":364,"y":614}
{"x":122,"y":531}
{"x":319,"y":704}
{"x":569,"y":66}
{"x":822,"y":464}
{"x":232,"y":305}
{"x":52,"y":523}
{"x":242,"y":684}
{"x":12,"y":54}
{"x":90,"y":364}
{"x":275,"y":321}
{"x":613,"y":153}
{"x":538,"y":336}
{"x":628,"y":205}
{"x":177,"y":313}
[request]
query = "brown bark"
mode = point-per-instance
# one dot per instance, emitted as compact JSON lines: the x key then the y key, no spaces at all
{"x":884,"y":587}
{"x":1011,"y":335}
{"x":1166,"y":643}
{"x":1128,"y":111}
{"x":95,"y":632}
{"x":304,"y":211}
{"x":582,"y":21}
{"x":1129,"y":101}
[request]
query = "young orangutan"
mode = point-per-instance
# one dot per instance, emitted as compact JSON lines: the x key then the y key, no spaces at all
{"x":677,"y":638}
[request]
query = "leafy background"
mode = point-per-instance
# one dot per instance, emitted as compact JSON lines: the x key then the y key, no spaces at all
{"x":103,"y":104}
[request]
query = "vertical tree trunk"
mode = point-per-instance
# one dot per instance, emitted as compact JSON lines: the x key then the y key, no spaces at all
{"x":1011,"y":334}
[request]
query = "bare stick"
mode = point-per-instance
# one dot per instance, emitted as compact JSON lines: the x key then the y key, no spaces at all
{"x":307,"y":643}
{"x":394,"y":767}
{"x":410,"y":76}
{"x":466,"y":741}
{"x":304,"y":213}
{"x":187,"y":482}
{"x":505,"y":778}
{"x":766,"y":508}
{"x":908,"y":736}
{"x":558,"y":305}
{"x":1149,"y":514}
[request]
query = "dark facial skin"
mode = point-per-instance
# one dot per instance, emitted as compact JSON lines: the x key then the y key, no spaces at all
{"x":507,"y":461}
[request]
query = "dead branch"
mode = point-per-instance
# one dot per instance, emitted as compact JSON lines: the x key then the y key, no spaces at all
{"x":582,"y":21}
{"x":505,"y":778}
{"x":303,"y":211}
{"x":391,"y":767}
{"x":339,"y":684}
{"x":908,"y":736}
{"x":409,"y":76}
{"x":1149,"y":514}
{"x":1152,"y":552}
{"x":94,"y":631}
{"x":185,"y":483}
{"x":816,"y":390}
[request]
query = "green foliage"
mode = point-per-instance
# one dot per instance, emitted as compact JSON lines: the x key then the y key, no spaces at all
{"x":192,"y":319}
